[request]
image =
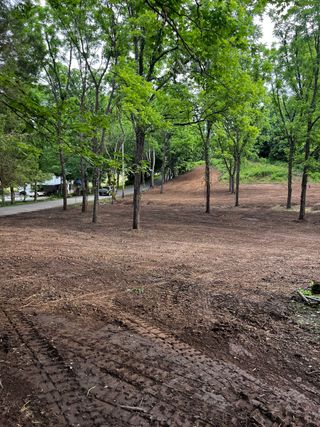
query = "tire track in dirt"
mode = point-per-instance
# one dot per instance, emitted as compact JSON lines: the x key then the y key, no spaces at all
{"x":263,"y":404}
{"x":60,"y":390}
{"x":131,"y":373}
{"x":65,"y":391}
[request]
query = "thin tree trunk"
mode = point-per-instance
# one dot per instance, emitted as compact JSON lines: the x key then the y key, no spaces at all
{"x":12,"y":196}
{"x":163,"y":166}
{"x":303,"y":196}
{"x":153,"y":162}
{"x":206,"y":142}
{"x":305,"y":173}
{"x":24,"y":192}
{"x":84,"y":186}
{"x":64,"y":180}
{"x":290,"y":166}
{"x":96,"y":183}
{"x":207,"y":174}
{"x":113,"y":188}
{"x":96,"y":147}
{"x":238,"y":164}
{"x":63,"y":167}
{"x":123,"y":177}
{"x":118,"y":180}
{"x":3,"y":199}
{"x":140,"y":138}
{"x":231,"y":183}
{"x":35,"y":194}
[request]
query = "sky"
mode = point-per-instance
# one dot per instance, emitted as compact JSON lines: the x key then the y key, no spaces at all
{"x":267,"y":30}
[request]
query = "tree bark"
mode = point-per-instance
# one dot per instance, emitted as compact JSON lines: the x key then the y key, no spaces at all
{"x":3,"y":199}
{"x":96,"y":183}
{"x":118,"y":180}
{"x":113,"y":188}
{"x":122,"y":173}
{"x":12,"y":196}
{"x":231,"y":183}
{"x":140,"y":139}
{"x":84,"y":186}
{"x":207,"y":174}
{"x":35,"y":194}
{"x":238,"y":165}
{"x":305,"y":173}
{"x":163,"y":166}
{"x":206,"y":141}
{"x":153,"y":161}
{"x":290,"y":167}
{"x":64,"y":180}
{"x":63,"y":167}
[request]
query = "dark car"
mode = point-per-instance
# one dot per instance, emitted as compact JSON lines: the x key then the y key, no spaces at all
{"x":105,"y":191}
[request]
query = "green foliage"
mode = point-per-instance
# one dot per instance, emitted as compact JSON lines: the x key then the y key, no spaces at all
{"x":96,"y":72}
{"x":261,"y":170}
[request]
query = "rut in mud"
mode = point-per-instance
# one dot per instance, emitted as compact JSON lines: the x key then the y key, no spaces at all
{"x":186,"y":323}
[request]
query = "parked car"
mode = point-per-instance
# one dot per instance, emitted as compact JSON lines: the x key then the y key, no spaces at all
{"x":105,"y":191}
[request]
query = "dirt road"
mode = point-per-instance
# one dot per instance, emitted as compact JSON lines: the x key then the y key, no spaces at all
{"x":188,"y":322}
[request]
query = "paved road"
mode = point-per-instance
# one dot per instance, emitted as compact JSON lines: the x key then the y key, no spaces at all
{"x":50,"y":204}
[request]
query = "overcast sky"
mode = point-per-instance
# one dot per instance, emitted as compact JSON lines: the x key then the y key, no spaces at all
{"x":267,"y":30}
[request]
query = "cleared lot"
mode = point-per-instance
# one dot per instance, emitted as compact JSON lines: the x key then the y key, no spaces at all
{"x":188,"y":322}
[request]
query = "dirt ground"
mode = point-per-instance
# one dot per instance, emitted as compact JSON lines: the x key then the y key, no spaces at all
{"x":187,"y":322}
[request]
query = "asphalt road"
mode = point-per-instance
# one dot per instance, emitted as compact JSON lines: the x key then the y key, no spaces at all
{"x":50,"y":204}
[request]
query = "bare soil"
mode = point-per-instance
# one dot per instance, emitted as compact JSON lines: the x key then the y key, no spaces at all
{"x":187,"y":322}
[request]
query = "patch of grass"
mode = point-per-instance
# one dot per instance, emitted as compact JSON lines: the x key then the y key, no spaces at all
{"x":257,"y":171}
{"x":306,"y":292}
{"x":264,"y":171}
{"x":314,"y":177}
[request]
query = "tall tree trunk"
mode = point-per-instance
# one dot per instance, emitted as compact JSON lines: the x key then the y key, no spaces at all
{"x":63,"y":167}
{"x":84,"y":186}
{"x":290,"y":166}
{"x":96,"y":184}
{"x":64,"y":179}
{"x":123,"y":169}
{"x":35,"y":194}
{"x":305,"y":173}
{"x":118,"y":180}
{"x":3,"y":199}
{"x":163,"y":166}
{"x":153,"y":162}
{"x":231,"y":183}
{"x":24,"y":192}
{"x":12,"y":196}
{"x":206,"y":142}
{"x":140,"y":138}
{"x":238,"y":165}
{"x":207,"y":177}
{"x":113,"y":187}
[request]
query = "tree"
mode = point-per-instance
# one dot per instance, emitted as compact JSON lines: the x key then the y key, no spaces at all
{"x":144,"y":78}
{"x":240,"y":129}
{"x":298,"y":31}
